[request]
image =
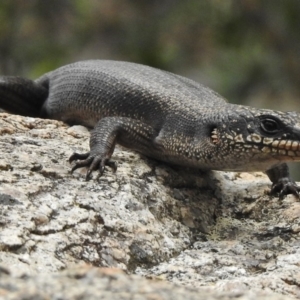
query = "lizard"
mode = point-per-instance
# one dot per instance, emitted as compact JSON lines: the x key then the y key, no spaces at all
{"x":161,"y":115}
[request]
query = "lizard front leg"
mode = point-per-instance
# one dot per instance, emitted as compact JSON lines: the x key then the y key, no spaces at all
{"x":128,"y":132}
{"x":282,"y":182}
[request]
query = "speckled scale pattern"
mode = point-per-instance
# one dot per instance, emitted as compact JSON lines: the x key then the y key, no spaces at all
{"x":159,"y":114}
{"x":121,"y":88}
{"x":87,"y":91}
{"x":182,"y":113}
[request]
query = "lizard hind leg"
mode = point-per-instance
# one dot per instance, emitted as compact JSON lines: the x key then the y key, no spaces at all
{"x":105,"y":135}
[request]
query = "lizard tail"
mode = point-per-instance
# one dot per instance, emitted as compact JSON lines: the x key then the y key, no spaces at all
{"x":22,"y":96}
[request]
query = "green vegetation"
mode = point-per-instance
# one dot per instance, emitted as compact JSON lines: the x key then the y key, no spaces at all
{"x":241,"y":48}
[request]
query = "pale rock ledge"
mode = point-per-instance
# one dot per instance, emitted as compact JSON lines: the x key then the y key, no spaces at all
{"x":216,"y":235}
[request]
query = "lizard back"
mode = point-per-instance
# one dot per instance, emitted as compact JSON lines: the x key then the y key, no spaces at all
{"x":114,"y":88}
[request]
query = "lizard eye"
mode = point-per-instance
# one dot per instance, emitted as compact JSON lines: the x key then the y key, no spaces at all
{"x":270,"y":126}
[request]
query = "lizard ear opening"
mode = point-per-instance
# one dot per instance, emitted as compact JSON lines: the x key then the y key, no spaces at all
{"x":214,"y":136}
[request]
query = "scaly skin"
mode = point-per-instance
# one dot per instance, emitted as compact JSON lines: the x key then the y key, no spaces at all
{"x":161,"y":115}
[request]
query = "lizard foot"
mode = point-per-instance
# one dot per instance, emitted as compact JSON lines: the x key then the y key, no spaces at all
{"x":285,"y":186}
{"x":93,"y":162}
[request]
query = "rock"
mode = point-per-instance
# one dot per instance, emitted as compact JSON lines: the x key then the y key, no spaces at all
{"x":86,"y":282}
{"x":217,"y":234}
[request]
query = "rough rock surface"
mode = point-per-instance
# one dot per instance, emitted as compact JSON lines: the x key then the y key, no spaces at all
{"x":216,"y":234}
{"x":108,"y":284}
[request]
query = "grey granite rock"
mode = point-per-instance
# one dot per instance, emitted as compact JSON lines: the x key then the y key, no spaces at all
{"x":108,"y":284}
{"x":215,"y":234}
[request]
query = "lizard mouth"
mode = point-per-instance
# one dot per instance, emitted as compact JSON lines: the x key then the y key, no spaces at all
{"x":281,"y":147}
{"x":257,"y":143}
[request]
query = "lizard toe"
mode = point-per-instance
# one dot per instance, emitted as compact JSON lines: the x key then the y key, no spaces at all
{"x":92,"y":162}
{"x":96,"y":163}
{"x":81,"y":164}
{"x":289,"y":188}
{"x":78,"y":156}
{"x":284,"y":187}
{"x":112,"y":164}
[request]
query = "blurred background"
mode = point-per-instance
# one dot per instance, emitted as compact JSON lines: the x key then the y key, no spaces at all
{"x":246,"y":50}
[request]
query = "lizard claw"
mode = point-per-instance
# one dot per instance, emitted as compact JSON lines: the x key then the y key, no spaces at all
{"x":92,"y":162}
{"x":284,"y":187}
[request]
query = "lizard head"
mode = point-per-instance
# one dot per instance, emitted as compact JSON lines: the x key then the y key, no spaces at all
{"x":258,"y":137}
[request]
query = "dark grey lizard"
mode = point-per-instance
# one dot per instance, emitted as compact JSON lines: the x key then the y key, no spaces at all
{"x":161,"y":115}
